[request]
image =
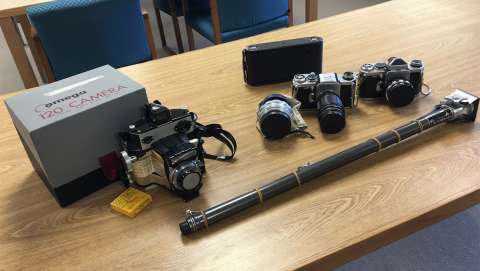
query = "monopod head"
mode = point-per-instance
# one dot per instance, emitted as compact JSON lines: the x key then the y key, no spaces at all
{"x":464,"y":105}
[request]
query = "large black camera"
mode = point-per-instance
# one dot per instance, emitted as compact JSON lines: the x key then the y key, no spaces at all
{"x":163,"y":148}
{"x":329,"y":94}
{"x":397,"y":81}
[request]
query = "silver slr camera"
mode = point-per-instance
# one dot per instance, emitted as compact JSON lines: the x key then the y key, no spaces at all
{"x":397,"y":81}
{"x":329,"y":94}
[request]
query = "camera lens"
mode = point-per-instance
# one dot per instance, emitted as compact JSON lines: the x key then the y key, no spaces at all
{"x":187,"y":176}
{"x":330,"y":112}
{"x":275,"y":124}
{"x":274,"y":116}
{"x":400,"y":93}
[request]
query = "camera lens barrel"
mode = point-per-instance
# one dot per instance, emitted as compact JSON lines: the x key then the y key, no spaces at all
{"x":274,"y":117}
{"x":400,"y":93}
{"x":330,"y":112}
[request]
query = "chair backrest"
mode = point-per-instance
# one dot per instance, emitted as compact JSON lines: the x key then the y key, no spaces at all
{"x":193,"y":5}
{"x":245,"y":13}
{"x":79,"y":35}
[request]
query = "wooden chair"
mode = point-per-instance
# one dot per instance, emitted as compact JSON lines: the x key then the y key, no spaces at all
{"x":175,"y":9}
{"x":52,"y":51}
{"x":230,"y":20}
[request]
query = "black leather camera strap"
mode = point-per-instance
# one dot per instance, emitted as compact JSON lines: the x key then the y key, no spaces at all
{"x":216,"y":131}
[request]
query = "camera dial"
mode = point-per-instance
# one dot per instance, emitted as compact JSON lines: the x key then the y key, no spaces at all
{"x":366,"y":67}
{"x":299,"y":77}
{"x":348,"y":76}
{"x":416,"y":63}
{"x":380,"y":65}
{"x":312,"y":77}
{"x":400,"y":93}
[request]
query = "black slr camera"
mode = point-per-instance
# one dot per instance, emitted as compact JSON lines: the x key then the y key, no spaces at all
{"x":397,"y":81}
{"x":329,"y":94}
{"x":163,"y":148}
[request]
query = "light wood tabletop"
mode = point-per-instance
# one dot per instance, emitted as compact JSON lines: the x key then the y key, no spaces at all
{"x":320,"y":225}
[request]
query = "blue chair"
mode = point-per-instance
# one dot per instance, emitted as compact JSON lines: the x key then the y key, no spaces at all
{"x":175,"y":9}
{"x":229,"y":20}
{"x":73,"y":36}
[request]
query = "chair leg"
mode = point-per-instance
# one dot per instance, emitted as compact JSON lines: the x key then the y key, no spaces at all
{"x":311,"y":10}
{"x":176,"y":27}
{"x":44,"y":63}
{"x":191,"y":40}
{"x":290,"y":12}
{"x":160,"y":28}
{"x":27,"y":31}
{"x":149,"y":33}
{"x":217,"y":35}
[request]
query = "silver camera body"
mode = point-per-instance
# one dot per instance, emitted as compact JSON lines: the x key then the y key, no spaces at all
{"x":163,"y":149}
{"x":308,"y":87}
{"x":396,"y":80}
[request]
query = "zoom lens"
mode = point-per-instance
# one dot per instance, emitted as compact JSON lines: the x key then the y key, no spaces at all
{"x":330,"y":112}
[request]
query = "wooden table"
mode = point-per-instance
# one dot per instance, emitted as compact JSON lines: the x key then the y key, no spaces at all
{"x":321,"y":225}
{"x":10,"y":9}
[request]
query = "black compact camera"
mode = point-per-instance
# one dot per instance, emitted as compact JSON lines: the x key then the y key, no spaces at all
{"x":163,"y":148}
{"x":329,"y":94}
{"x":397,"y":81}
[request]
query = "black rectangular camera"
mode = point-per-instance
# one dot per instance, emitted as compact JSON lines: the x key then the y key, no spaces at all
{"x":162,"y":148}
{"x":329,"y":94}
{"x":275,"y":62}
{"x":397,"y":81}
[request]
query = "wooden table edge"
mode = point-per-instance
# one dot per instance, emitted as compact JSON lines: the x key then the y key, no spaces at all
{"x":384,"y":238}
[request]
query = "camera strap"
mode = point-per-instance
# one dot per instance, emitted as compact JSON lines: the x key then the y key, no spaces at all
{"x":216,"y":131}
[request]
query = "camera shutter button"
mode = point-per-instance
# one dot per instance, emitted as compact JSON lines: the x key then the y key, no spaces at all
{"x":416,"y":63}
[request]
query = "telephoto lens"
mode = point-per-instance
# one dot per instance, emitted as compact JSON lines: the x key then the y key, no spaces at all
{"x":330,"y":112}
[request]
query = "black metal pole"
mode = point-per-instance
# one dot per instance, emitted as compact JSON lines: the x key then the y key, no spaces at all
{"x":447,"y":111}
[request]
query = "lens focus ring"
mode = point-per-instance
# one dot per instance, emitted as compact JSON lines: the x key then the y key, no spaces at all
{"x":400,"y":93}
{"x":187,"y":176}
{"x":274,"y":119}
{"x":330,"y":113}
